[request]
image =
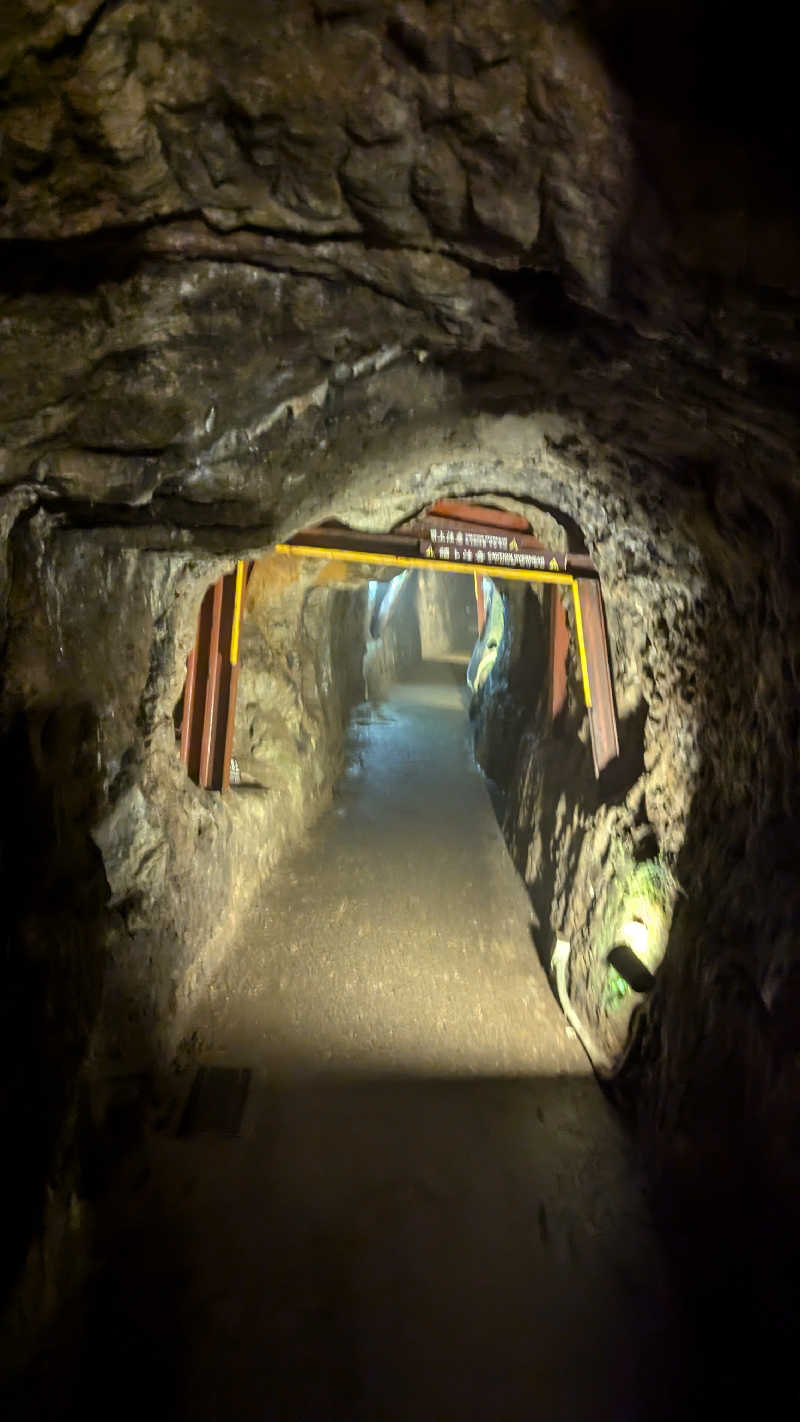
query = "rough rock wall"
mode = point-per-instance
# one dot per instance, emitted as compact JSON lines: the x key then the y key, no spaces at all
{"x":446,"y":614}
{"x":706,"y":1060}
{"x":97,"y":644}
{"x":214,"y":218}
{"x":302,"y":646}
{"x":124,"y":882}
{"x":510,"y":704}
{"x":395,"y":648}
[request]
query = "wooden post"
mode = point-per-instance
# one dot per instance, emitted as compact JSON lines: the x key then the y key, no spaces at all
{"x":211,"y":710}
{"x":600,"y":701}
{"x":557,"y":661}
{"x":209,"y":704}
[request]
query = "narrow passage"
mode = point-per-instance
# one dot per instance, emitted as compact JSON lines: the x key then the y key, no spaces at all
{"x":399,"y":937}
{"x":428,"y":1212}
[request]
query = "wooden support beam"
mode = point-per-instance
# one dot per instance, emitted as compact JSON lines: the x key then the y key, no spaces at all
{"x":352,"y":541}
{"x":478,"y":513}
{"x":209,"y":705}
{"x":408,"y":560}
{"x":602,"y":713}
{"x":233,"y":687}
{"x":211,"y":709}
{"x":489,"y":552}
{"x":557,"y":660}
{"x":194,"y":705}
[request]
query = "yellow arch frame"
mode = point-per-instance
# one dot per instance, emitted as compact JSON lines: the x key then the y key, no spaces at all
{"x":521,"y":575}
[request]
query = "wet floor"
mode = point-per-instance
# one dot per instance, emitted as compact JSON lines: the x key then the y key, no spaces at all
{"x":398,"y":938}
{"x":428,"y":1211}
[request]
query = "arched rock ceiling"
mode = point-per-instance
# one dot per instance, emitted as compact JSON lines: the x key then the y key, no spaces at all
{"x":243,"y":242}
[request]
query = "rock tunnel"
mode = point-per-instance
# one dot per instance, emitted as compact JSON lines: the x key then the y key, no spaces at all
{"x":275,"y":265}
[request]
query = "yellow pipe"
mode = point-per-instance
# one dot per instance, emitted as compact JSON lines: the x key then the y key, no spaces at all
{"x":576,"y":599}
{"x":237,"y":613}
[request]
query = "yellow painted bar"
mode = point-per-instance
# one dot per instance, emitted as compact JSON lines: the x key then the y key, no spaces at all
{"x":521,"y":575}
{"x":237,"y":613}
{"x":350,"y":555}
{"x":576,"y":599}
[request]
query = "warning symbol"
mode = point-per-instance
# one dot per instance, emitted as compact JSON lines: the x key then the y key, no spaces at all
{"x":553,"y":565}
{"x":429,"y":552}
{"x":513,"y":546}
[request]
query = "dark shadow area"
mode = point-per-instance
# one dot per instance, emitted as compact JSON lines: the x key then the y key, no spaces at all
{"x":711,"y":68}
{"x":73,"y":264}
{"x":376,"y":1247}
{"x":710,"y":1076}
{"x":613,"y":783}
{"x":564,"y":760}
{"x":710,"y":1079}
{"x":631,"y":968}
{"x":54,"y":893}
{"x":539,"y":298}
{"x":216,"y":1101}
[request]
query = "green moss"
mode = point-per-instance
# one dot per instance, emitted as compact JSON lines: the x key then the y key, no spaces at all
{"x":614,"y":989}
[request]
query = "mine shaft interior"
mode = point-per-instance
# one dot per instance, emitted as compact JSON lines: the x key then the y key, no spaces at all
{"x":400,"y":710}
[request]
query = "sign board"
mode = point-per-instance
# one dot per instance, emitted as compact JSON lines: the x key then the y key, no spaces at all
{"x":491,"y":550}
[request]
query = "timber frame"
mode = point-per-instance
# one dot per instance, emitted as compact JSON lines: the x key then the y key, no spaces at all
{"x":452,"y":537}
{"x":458,"y":537}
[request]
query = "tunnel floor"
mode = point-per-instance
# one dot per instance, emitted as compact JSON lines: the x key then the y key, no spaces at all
{"x":398,"y":938}
{"x":427,"y":1210}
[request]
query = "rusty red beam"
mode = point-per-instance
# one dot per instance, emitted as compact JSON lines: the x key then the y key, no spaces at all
{"x":195,"y":693}
{"x":211,"y":706}
{"x":421,"y":537}
{"x":233,"y":687}
{"x":602,"y":713}
{"x":218,"y":771}
{"x":406,"y":541}
{"x":557,"y":660}
{"x":421,"y":528}
{"x":209,"y":703}
{"x":396,"y":544}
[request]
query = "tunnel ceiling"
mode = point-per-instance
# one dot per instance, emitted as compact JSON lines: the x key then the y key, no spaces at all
{"x":245,"y":246}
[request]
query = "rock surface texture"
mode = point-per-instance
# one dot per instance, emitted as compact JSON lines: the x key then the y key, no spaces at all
{"x":265,"y":264}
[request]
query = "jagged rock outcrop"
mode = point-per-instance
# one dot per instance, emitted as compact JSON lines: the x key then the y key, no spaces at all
{"x":347,"y":185}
